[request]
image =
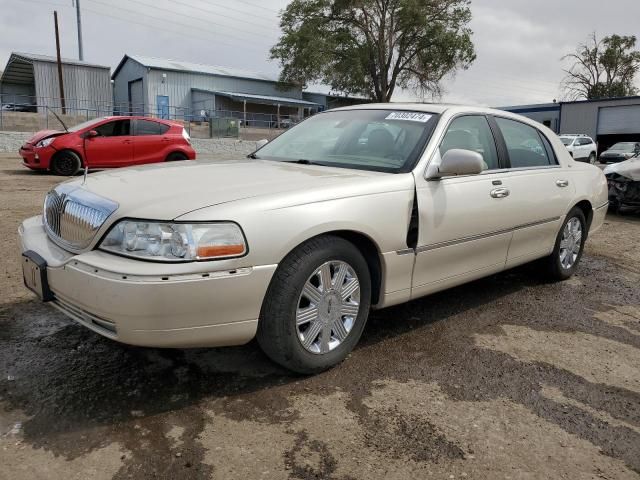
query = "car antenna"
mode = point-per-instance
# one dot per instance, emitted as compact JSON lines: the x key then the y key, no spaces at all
{"x":59,"y":119}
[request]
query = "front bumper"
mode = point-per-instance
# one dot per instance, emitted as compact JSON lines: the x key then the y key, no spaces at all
{"x":210,"y":309}
{"x":36,"y":158}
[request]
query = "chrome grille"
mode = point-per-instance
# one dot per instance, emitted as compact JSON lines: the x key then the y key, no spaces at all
{"x":72,"y":216}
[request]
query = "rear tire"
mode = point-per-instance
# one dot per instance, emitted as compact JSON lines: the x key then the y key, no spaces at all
{"x":176,"y":157}
{"x":66,"y":163}
{"x":305,"y":325}
{"x":592,"y":158}
{"x":566,"y":255}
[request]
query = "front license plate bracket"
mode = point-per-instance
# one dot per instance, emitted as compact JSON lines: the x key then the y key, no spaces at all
{"x":34,"y":274}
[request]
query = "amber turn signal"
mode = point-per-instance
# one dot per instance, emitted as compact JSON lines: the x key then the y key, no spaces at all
{"x":219,"y":250}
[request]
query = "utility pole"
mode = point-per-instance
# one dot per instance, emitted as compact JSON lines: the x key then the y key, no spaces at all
{"x":79,"y":20}
{"x":62,"y":103}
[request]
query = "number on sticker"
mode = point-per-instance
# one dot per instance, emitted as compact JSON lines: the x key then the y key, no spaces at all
{"x":409,"y":116}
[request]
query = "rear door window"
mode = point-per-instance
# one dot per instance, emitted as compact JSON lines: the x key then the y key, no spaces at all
{"x":148,"y":127}
{"x":524,"y":143}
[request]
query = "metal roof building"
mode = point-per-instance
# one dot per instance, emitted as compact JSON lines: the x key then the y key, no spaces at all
{"x":33,"y":79}
{"x":176,"y":89}
{"x":606,"y":120}
{"x":546,"y":113}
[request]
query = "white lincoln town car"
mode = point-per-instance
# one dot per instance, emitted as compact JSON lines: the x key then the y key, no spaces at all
{"x":355,"y":208}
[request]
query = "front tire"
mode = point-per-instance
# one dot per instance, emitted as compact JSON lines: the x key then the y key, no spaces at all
{"x":563,"y":261}
{"x":316,"y":306}
{"x":592,"y":158}
{"x":66,"y":164}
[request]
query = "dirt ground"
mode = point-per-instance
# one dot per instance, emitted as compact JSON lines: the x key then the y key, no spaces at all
{"x":505,"y":378}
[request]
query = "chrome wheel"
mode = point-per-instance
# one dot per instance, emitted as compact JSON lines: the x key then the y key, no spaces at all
{"x":570,"y":243}
{"x":328,"y":307}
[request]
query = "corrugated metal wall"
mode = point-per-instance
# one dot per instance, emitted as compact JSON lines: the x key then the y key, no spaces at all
{"x":22,"y":92}
{"x":582,"y":117}
{"x":83,"y":86}
{"x":129,"y":72}
{"x":177,"y":86}
{"x":316,"y":98}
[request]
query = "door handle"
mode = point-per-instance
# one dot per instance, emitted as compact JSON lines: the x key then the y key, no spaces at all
{"x":126,"y":141}
{"x":562,"y":183}
{"x":166,"y":139}
{"x":500,"y":192}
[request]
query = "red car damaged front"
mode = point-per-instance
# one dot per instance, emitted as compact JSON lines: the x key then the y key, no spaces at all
{"x":36,"y":152}
{"x":106,"y":143}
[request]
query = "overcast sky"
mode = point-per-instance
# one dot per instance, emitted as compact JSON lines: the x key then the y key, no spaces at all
{"x":519,"y":42}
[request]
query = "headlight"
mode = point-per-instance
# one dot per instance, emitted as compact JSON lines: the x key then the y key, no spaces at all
{"x":175,"y":242}
{"x":46,"y":142}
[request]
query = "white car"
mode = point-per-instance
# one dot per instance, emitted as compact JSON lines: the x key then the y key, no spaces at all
{"x":580,"y":147}
{"x":352,"y":209}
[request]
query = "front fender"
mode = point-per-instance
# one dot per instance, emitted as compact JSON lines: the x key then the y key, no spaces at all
{"x":273,"y":230}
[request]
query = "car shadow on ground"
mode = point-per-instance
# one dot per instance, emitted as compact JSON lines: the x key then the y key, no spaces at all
{"x":27,"y":172}
{"x":67,"y":379}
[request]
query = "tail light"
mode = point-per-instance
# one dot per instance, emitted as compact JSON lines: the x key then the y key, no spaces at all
{"x":186,"y":136}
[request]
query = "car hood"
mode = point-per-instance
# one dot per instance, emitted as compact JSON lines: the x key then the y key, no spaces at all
{"x":616,"y":152}
{"x":42,"y":134}
{"x":628,"y":168}
{"x":169,"y":190}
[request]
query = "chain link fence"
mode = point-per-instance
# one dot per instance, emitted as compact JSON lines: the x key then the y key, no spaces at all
{"x":21,"y":113}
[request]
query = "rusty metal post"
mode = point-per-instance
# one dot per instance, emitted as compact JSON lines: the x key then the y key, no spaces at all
{"x":62,"y":103}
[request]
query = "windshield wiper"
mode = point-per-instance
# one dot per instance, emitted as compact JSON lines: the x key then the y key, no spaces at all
{"x":303,"y":161}
{"x":253,"y":156}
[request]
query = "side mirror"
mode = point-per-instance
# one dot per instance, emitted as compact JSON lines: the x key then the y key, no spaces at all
{"x":261,"y":143}
{"x":459,"y":162}
{"x":90,"y":134}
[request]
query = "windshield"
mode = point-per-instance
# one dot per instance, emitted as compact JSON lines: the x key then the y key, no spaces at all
{"x":88,"y":123}
{"x":567,"y":140}
{"x":380,"y":140}
{"x":624,"y":146}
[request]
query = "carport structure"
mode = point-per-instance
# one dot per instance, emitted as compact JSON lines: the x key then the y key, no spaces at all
{"x":32,"y":79}
{"x":252,"y":109}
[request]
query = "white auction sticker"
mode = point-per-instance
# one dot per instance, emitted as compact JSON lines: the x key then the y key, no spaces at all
{"x":410,"y":116}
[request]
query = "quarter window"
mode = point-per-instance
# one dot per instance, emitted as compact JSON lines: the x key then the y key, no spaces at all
{"x":472,"y":132}
{"x":524,"y":144}
{"x":118,"y":128}
{"x":147,"y":127}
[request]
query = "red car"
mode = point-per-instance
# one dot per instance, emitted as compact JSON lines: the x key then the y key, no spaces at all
{"x":107,"y":142}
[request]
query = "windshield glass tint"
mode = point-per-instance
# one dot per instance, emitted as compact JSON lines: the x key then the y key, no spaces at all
{"x":566,"y":140}
{"x":624,"y":146}
{"x":88,"y":123}
{"x":381,"y":140}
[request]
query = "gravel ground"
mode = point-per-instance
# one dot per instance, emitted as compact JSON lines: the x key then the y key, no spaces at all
{"x":507,"y":377}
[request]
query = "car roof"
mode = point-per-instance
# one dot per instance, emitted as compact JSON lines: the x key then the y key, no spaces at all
{"x":437,"y":108}
{"x":139,"y":117}
{"x":420,"y":107}
{"x":440,"y":108}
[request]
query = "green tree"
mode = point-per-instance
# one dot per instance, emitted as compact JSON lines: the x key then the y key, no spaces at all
{"x":602,"y":68}
{"x":371,"y":47}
